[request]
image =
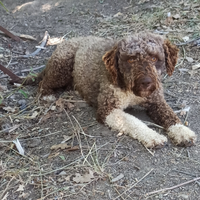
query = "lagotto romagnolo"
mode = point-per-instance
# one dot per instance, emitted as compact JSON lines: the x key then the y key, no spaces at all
{"x":112,"y":75}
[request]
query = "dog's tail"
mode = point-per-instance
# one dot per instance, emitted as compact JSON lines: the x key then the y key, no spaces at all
{"x":30,"y":79}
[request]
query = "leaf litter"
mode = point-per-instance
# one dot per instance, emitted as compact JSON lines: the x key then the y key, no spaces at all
{"x":182,"y":25}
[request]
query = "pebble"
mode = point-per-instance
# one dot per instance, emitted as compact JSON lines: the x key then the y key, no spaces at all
{"x":22,"y":102}
{"x":62,"y":173}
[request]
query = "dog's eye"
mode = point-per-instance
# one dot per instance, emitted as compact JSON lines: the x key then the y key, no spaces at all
{"x":154,"y":59}
{"x":131,"y":60}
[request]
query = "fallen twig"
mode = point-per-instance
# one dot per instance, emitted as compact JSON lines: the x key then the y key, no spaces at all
{"x":173,"y":187}
{"x":25,"y":70}
{"x":152,"y":124}
{"x":44,"y":41}
{"x":22,"y":36}
{"x":194,"y":40}
{"x":66,"y":166}
{"x":2,"y":195}
{"x":14,"y":77}
{"x":9,"y":34}
{"x":134,"y":184}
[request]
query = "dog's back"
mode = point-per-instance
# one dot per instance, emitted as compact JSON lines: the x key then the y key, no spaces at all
{"x":89,"y":70}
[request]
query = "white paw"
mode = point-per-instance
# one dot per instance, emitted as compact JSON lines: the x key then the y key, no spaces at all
{"x":152,"y":139}
{"x":181,"y":135}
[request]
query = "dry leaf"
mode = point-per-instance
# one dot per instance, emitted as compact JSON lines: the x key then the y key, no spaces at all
{"x":21,"y":188}
{"x":70,"y":105}
{"x":177,"y":16}
{"x":60,"y":103}
{"x":34,"y":115}
{"x":24,"y":195}
{"x":120,"y":134}
{"x":17,"y":84}
{"x":182,"y":113}
{"x":60,"y":146}
{"x":85,"y":178}
{"x":73,"y":148}
{"x":197,"y":66}
{"x":67,"y":178}
{"x":186,"y":38}
{"x":49,"y":98}
{"x":9,"y":109}
{"x":54,"y":41}
{"x":118,"y":14}
{"x":47,"y":116}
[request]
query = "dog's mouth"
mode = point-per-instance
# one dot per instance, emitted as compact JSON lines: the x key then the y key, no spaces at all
{"x":143,"y":93}
{"x":144,"y":87}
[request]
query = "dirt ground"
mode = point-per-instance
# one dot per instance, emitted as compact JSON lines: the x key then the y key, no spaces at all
{"x":68,"y":155}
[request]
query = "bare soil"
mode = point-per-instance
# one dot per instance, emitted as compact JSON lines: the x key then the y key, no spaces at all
{"x":92,"y":156}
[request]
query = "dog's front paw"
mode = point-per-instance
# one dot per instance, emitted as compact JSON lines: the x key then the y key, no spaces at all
{"x":181,"y":135}
{"x":154,"y":140}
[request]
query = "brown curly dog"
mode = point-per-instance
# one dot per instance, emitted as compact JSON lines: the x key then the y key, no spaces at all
{"x":113,"y":75}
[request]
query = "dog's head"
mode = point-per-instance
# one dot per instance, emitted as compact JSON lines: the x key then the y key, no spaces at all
{"x":137,"y":62}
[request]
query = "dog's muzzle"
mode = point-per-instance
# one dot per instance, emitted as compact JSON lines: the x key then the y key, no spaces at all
{"x":144,"y":86}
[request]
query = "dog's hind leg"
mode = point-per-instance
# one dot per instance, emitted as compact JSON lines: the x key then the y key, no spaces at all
{"x":58,"y":72}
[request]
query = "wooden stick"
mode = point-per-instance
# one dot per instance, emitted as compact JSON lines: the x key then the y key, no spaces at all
{"x":9,"y":34}
{"x":173,"y":187}
{"x":134,"y":184}
{"x":14,"y":77}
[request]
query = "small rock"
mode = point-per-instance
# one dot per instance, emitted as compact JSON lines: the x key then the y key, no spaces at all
{"x":22,"y":102}
{"x":3,"y":88}
{"x":177,"y":16}
{"x":53,"y":107}
{"x":118,"y":14}
{"x":13,"y":97}
{"x":60,"y":180}
{"x":1,"y":49}
{"x":117,"y":178}
{"x":62,"y":173}
{"x":189,"y":59}
{"x":186,"y":38}
{"x":49,"y":98}
{"x":197,"y":66}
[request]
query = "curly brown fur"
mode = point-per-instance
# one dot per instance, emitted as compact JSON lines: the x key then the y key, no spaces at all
{"x":113,"y":75}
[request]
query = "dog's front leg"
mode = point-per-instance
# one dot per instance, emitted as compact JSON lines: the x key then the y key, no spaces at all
{"x":120,"y":121}
{"x":161,"y":113}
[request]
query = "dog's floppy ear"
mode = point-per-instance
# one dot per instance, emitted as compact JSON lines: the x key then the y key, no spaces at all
{"x":171,"y":56}
{"x":110,"y":61}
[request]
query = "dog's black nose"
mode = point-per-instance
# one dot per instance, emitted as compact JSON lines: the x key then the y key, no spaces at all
{"x":146,"y":82}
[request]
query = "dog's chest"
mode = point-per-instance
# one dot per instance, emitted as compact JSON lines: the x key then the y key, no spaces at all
{"x":126,"y":99}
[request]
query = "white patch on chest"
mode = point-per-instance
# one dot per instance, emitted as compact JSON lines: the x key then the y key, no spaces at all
{"x":126,"y":99}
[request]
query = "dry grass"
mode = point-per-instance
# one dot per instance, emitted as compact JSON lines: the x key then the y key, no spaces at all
{"x":39,"y":121}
